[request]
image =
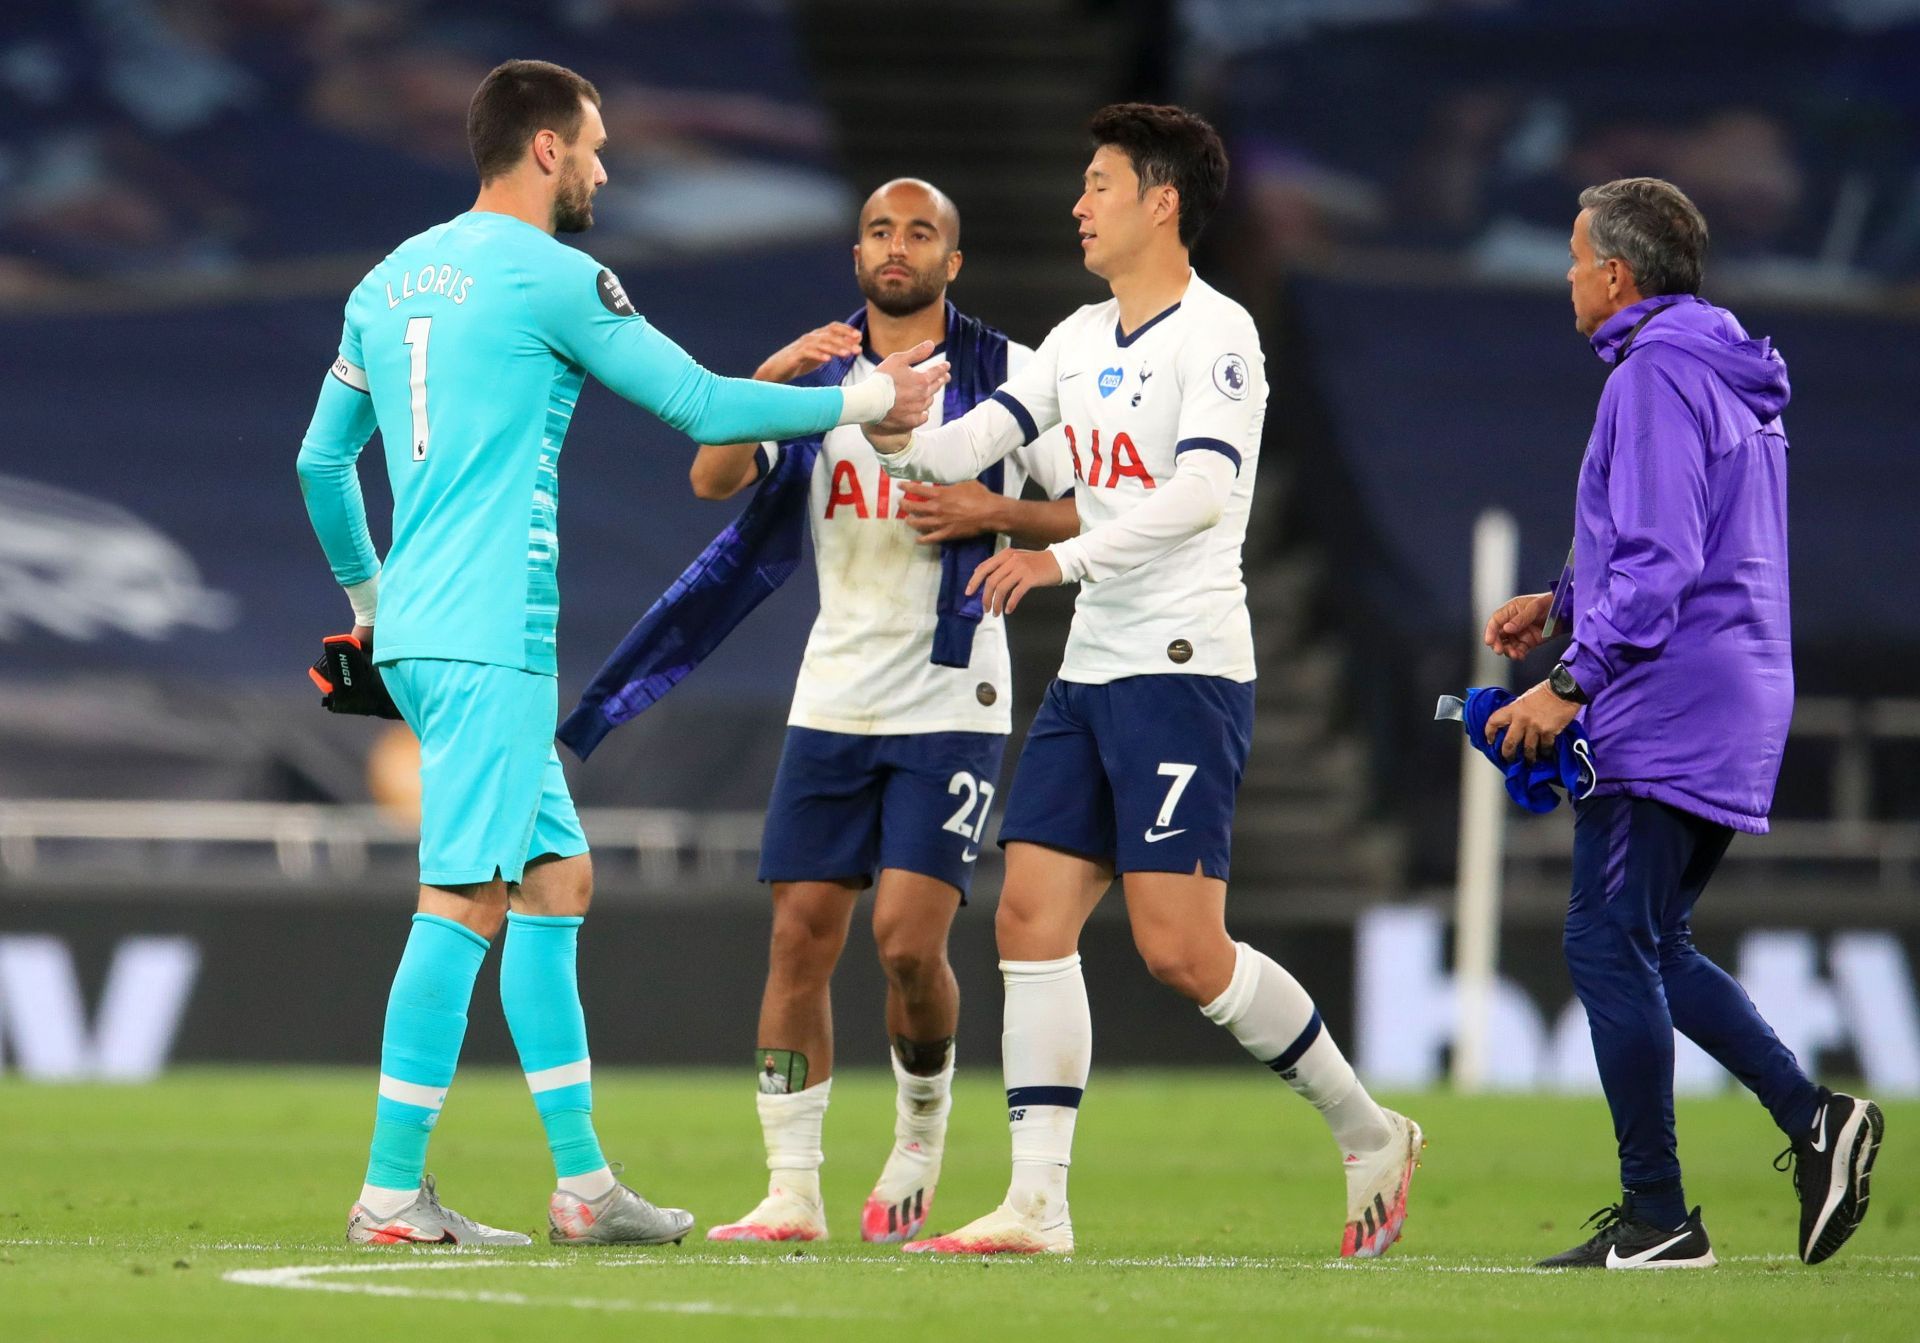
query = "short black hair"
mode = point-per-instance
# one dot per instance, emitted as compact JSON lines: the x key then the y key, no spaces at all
{"x":1652,"y":226}
{"x":1169,"y":146}
{"x":515,"y":102}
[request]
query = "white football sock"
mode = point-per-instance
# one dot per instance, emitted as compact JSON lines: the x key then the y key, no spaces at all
{"x":1047,"y":1050}
{"x":791,"y":1125}
{"x":595,"y":1184}
{"x":384,"y":1203}
{"x":921,"y":1103}
{"x":1275,"y":1020}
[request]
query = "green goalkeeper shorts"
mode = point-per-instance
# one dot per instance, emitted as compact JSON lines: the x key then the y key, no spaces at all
{"x":492,"y":794}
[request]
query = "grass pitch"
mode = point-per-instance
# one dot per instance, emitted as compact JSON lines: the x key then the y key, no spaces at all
{"x":210,"y":1206}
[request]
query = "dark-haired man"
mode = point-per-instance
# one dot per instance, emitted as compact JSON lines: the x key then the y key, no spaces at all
{"x":1135,"y":757}
{"x":894,"y":742}
{"x":1682,"y":661}
{"x":466,"y":347}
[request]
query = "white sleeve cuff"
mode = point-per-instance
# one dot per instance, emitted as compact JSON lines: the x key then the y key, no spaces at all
{"x":365,"y":599}
{"x":1071,"y":556}
{"x":899,"y":463}
{"x":868,"y":402}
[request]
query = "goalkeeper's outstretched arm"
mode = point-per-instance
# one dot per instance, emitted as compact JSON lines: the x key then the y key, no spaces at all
{"x":721,"y":470}
{"x":636,"y":360}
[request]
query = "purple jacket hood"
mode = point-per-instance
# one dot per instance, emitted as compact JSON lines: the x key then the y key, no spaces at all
{"x":1751,"y":369}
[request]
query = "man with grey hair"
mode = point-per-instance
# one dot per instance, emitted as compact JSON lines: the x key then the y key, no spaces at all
{"x":1681,"y":661}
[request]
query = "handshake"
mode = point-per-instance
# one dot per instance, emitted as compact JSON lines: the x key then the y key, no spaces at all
{"x":913,"y":394}
{"x":894,"y":404}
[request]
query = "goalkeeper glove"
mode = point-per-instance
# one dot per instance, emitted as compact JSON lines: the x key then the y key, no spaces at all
{"x":348,"y":680}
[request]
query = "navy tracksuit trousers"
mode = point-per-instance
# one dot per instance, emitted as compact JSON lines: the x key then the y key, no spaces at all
{"x":1638,"y":868}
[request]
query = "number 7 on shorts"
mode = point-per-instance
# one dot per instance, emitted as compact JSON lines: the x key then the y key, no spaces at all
{"x":1182,"y":775}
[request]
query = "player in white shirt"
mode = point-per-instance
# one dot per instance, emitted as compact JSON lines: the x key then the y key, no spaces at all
{"x":1135,"y":757}
{"x":892,"y":759}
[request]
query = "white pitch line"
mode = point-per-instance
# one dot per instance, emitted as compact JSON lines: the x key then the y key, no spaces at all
{"x":786,"y":1259}
{"x":317,"y":1278}
{"x":477,"y":1257}
{"x":1369,"y":1267}
{"x":1192,"y":1261}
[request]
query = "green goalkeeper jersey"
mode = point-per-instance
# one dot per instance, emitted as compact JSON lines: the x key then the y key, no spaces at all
{"x":466,"y":347}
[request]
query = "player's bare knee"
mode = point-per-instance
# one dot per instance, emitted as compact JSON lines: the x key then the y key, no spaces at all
{"x":1179,"y":964}
{"x":797,"y":939}
{"x":1018,"y":911}
{"x":911,"y":937}
{"x":911,"y":964}
{"x":1181,"y":974}
{"x":1013,"y":927}
{"x":805,"y":947}
{"x":487,"y":920}
{"x":1026,"y":929}
{"x":556,"y":887}
{"x":478,"y":905}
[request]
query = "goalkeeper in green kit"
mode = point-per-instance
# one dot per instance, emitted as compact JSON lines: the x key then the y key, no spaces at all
{"x":467,"y":347}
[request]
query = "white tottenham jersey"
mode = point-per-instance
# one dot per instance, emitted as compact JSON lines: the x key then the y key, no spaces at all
{"x":868,"y":667}
{"x":1165,"y":595}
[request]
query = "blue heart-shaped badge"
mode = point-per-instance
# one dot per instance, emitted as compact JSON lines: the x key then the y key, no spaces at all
{"x":1110,"y":380}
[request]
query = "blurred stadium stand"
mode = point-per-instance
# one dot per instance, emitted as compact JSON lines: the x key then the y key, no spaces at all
{"x":249,"y":148}
{"x":1411,"y":262}
{"x":187,"y":192}
{"x":188,"y":189}
{"x":1463,"y":127}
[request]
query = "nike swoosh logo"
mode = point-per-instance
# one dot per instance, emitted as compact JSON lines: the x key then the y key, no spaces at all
{"x":1635,"y":1260}
{"x":968,"y":855}
{"x":1065,"y":376}
{"x":1820,"y":1127}
{"x":1164,"y":834}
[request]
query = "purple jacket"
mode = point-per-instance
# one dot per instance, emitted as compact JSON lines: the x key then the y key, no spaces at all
{"x":1681,"y":634}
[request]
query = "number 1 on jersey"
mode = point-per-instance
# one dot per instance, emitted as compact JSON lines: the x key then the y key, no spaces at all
{"x":418,"y":329}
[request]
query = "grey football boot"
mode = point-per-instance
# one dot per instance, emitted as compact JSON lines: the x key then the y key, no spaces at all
{"x":617,"y":1217}
{"x":425,"y":1222}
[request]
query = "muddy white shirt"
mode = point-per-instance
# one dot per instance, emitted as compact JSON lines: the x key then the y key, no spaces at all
{"x":868,"y":667}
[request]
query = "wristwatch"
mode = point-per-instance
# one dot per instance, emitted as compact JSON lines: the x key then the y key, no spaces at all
{"x":1560,"y":681}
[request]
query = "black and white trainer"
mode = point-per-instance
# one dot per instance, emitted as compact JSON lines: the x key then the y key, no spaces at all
{"x":1624,"y":1241}
{"x":1831,"y":1163}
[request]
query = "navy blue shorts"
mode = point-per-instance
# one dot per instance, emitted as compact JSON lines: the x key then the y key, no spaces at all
{"x":1141,"y":772}
{"x":846,"y":805}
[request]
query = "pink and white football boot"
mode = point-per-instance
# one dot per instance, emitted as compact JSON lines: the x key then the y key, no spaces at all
{"x":1377,"y":1184}
{"x":1002,"y":1231}
{"x":903,"y":1196}
{"x":781,"y":1215}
